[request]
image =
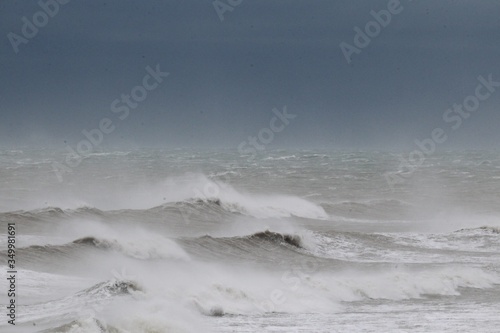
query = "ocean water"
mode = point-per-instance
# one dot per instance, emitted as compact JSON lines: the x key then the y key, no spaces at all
{"x":288,"y":241}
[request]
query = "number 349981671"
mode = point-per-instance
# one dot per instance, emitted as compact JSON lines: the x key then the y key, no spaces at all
{"x":11,"y":247}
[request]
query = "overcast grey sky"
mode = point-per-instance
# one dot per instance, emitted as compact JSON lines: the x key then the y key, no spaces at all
{"x":226,"y":76}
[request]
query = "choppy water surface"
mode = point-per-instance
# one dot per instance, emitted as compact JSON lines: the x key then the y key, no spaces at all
{"x":289,"y":241}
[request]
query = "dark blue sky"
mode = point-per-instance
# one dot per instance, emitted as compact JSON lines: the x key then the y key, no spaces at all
{"x":226,"y":76}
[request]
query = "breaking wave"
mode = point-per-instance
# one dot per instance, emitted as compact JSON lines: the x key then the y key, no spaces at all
{"x":155,"y":248}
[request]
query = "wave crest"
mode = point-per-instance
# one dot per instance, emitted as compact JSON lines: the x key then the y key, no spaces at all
{"x":275,"y":237}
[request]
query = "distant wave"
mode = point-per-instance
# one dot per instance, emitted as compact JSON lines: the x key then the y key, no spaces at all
{"x":153,"y":249}
{"x":372,"y":209}
{"x":276,"y":237}
{"x":269,"y":206}
{"x":259,"y":206}
{"x":279,"y":158}
{"x":50,"y":213}
{"x":190,"y":191}
{"x":265,"y":236}
{"x":111,"y":288}
{"x":159,"y":248}
{"x":265,"y":247}
{"x":483,"y":229}
{"x":99,"y":243}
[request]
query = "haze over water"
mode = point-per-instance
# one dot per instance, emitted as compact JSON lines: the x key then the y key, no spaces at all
{"x":246,"y":166}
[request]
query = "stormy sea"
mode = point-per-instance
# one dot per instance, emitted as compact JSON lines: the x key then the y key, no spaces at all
{"x":154,"y":241}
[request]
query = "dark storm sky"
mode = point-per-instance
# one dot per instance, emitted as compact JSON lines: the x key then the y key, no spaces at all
{"x":226,"y":76}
